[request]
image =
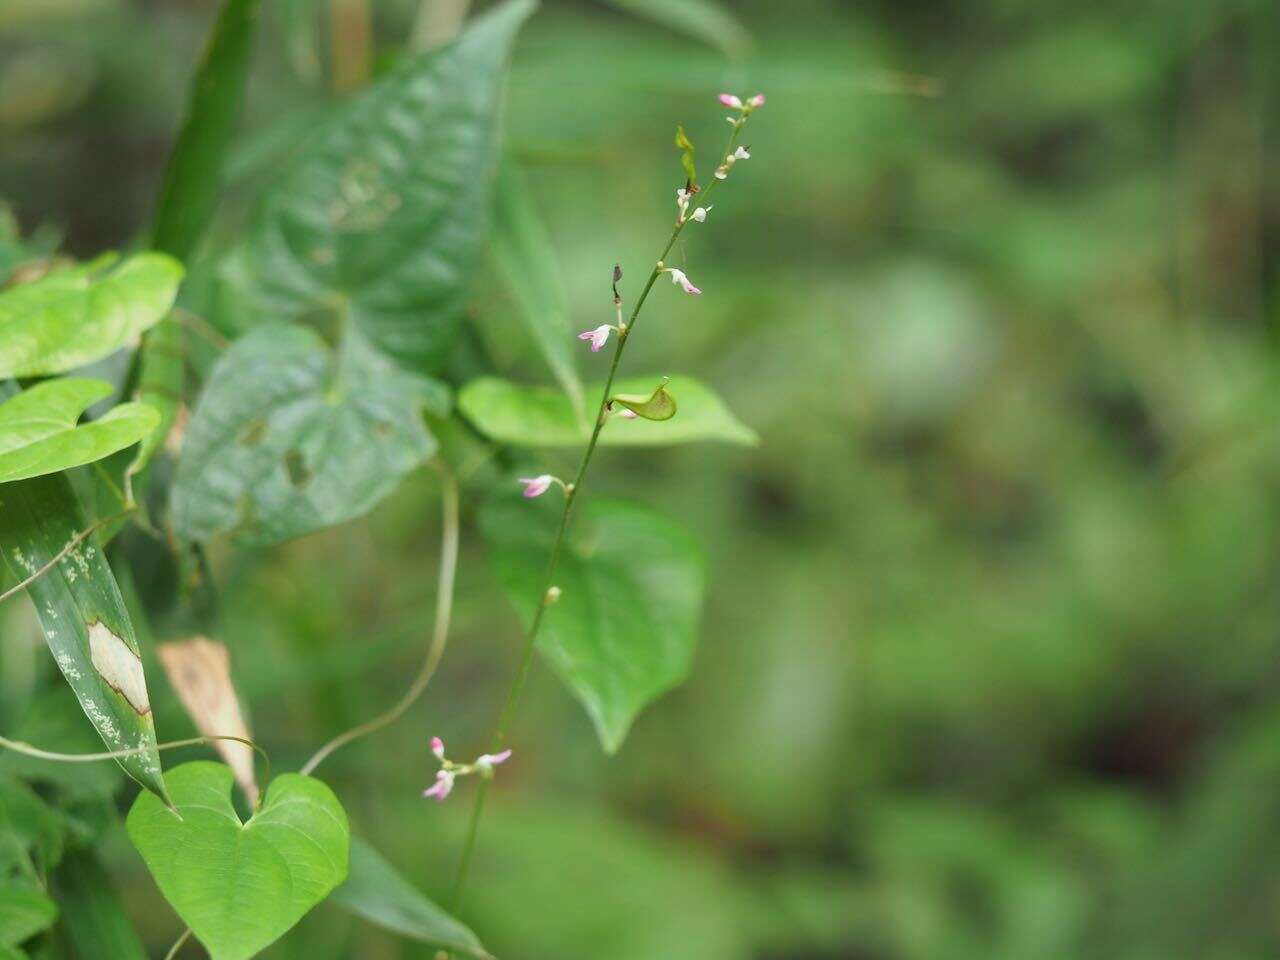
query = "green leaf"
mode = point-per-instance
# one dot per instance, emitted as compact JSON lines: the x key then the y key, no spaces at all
{"x":83,"y":617}
{"x":241,"y":886}
{"x":540,"y":417}
{"x":286,"y":441}
{"x":631,"y":582}
{"x":92,"y":913}
{"x":31,"y":823}
{"x":53,"y":720}
{"x":658,"y":404}
{"x":24,"y":912}
{"x":160,"y":378}
{"x":383,"y":216}
{"x":39,"y":435}
{"x":686,"y":158}
{"x":705,"y":20}
{"x":194,"y":175}
{"x":74,"y":317}
{"x":376,"y":891}
{"x":523,"y":252}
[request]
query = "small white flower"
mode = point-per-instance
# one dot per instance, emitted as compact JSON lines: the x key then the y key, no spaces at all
{"x":598,"y":337}
{"x":678,"y":277}
{"x":537,"y":486}
{"x":741,"y":154}
{"x":700,"y":214}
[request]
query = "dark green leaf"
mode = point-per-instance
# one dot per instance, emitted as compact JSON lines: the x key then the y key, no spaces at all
{"x":39,"y":435}
{"x":241,"y":886}
{"x":382,"y":217}
{"x":705,"y":20}
{"x":74,"y":317}
{"x":24,"y":912}
{"x":624,"y":628}
{"x":83,"y":617}
{"x":376,"y":891}
{"x":524,"y":254}
{"x":92,"y":914}
{"x":541,"y":417}
{"x":195,"y":171}
{"x":658,"y":404}
{"x":286,"y":440}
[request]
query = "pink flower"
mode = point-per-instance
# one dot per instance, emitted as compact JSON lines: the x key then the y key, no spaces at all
{"x":437,"y":747}
{"x":486,"y":762}
{"x":537,"y":486}
{"x":598,"y":337}
{"x":729,"y":100}
{"x":443,"y":785}
{"x":678,"y":276}
{"x":756,"y":101}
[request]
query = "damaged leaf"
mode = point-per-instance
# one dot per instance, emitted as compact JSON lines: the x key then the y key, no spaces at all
{"x":83,"y":617}
{"x":686,"y":158}
{"x":288,"y":439}
{"x":199,"y":670}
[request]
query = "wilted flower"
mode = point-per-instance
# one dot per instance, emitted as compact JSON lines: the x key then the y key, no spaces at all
{"x":442,"y":787}
{"x":678,"y":276}
{"x":598,"y":337}
{"x":537,"y":486}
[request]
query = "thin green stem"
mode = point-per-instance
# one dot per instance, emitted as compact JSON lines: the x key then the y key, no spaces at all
{"x":531,"y":637}
{"x":178,"y":944}
{"x":439,"y":636}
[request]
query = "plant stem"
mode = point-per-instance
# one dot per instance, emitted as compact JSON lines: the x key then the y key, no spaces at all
{"x":526,"y":656}
{"x":440,"y":633}
{"x":178,"y":944}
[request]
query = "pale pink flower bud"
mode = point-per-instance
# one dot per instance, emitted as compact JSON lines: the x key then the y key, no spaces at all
{"x":437,"y":747}
{"x":756,"y":101}
{"x":700,"y":214}
{"x":537,"y":486}
{"x":442,"y":787}
{"x":488,"y":761}
{"x":741,"y":154}
{"x":678,"y":276}
{"x":626,"y":414}
{"x":598,"y":337}
{"x":729,"y":100}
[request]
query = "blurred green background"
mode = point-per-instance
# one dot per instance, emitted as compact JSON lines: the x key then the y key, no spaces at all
{"x":990,"y":658}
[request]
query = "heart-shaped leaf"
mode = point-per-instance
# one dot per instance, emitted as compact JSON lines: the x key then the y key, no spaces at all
{"x":286,"y":441}
{"x":74,"y":317}
{"x":385,"y":210}
{"x":82,"y":615}
{"x":241,"y":886}
{"x":544,"y":417}
{"x":38,"y":432}
{"x":658,"y":404}
{"x":624,"y":628}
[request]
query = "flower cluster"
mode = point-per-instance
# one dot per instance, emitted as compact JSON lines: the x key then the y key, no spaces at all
{"x":449,"y":771}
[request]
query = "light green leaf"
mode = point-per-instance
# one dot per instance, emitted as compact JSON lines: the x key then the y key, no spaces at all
{"x":92,"y":913}
{"x":74,"y":317}
{"x":686,"y":157}
{"x":83,"y":617}
{"x":631,"y":582}
{"x":39,"y":435}
{"x":658,"y":404}
{"x":705,"y":20}
{"x":24,"y":912}
{"x":376,"y":891}
{"x":241,"y":886}
{"x":287,"y":439}
{"x":383,"y":215}
{"x":541,"y":417}
{"x":524,"y":255}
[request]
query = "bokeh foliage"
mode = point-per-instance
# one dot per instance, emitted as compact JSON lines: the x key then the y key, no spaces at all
{"x":989,"y":663}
